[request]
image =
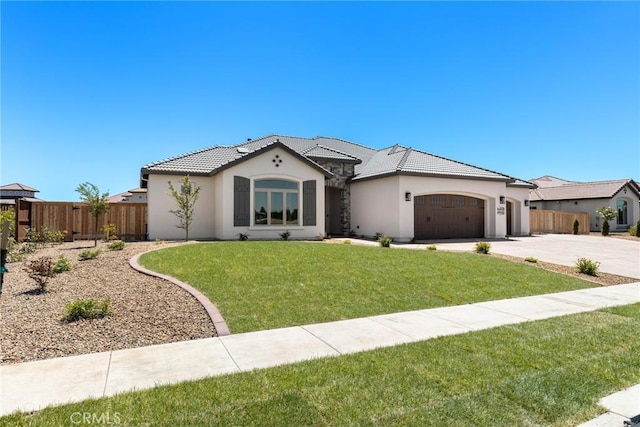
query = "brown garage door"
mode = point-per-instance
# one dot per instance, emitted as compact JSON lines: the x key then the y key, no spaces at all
{"x":448,"y":216}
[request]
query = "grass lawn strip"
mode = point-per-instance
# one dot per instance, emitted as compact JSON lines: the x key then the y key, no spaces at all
{"x":551,"y":372}
{"x":268,"y":285}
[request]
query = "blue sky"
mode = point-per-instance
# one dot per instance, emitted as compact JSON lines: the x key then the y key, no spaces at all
{"x":94,"y":91}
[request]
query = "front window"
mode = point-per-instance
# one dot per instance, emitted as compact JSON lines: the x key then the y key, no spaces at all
{"x":275,"y":202}
{"x":622,"y":211}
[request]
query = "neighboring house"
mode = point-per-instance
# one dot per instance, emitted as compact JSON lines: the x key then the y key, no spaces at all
{"x":12,"y":194}
{"x":17,"y":191}
{"x":318,"y":186}
{"x":137,"y":195}
{"x":18,"y":197}
{"x":556,"y":194}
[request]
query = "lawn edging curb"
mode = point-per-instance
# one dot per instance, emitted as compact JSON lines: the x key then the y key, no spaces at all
{"x":214,"y":314}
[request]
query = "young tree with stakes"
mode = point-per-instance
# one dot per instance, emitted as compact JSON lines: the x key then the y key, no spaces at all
{"x":186,"y":200}
{"x":97,"y":204}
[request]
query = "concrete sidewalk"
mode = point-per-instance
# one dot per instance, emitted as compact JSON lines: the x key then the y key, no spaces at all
{"x":34,"y":385}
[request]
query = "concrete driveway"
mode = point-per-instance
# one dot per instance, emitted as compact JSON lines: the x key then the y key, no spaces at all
{"x":616,"y":256}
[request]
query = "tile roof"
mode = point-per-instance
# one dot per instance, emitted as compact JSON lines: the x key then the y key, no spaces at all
{"x":321,"y":152}
{"x":202,"y":162}
{"x":550,"y":181}
{"x":18,"y":187}
{"x":370,"y":163}
{"x":405,"y":160}
{"x":582,"y":190}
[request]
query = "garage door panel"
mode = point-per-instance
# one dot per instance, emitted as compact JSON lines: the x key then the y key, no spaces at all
{"x":448,"y":216}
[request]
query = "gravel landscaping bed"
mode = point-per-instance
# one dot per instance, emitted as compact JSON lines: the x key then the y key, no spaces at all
{"x":604,"y":279}
{"x":145,"y":310}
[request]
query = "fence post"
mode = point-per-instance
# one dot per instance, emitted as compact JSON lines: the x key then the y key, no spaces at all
{"x":4,"y":246}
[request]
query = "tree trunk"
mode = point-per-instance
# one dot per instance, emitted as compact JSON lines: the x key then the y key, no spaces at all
{"x":95,"y":232}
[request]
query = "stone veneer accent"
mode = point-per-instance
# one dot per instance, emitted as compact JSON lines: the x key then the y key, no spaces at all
{"x":343,"y":171}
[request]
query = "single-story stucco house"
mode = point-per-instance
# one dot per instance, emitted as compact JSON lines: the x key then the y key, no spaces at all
{"x":313,"y":187}
{"x":622,"y":195}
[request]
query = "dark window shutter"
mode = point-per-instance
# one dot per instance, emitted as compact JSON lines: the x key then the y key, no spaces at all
{"x":309,"y":202}
{"x":241,"y":201}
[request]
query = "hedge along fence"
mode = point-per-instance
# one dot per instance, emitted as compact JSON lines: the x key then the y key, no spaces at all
{"x":130,"y":219}
{"x":544,"y":221}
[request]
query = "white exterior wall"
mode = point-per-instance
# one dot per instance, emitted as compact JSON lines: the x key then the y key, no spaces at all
{"x":379,"y":206}
{"x":214,"y":214}
{"x":262,"y":167}
{"x":375,"y":207}
{"x":161,"y":224}
{"x":520,"y":218}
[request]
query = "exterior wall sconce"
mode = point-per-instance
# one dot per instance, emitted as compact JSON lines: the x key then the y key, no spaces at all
{"x":502,"y":198}
{"x":526,"y":203}
{"x":407,"y":196}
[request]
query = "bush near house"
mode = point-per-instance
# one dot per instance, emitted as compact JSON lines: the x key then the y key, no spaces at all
{"x":385,"y":241}
{"x":86,"y":309}
{"x":483,"y":247}
{"x":88,"y":254}
{"x":586,"y":266}
{"x":608,"y":214}
{"x":40,"y":270}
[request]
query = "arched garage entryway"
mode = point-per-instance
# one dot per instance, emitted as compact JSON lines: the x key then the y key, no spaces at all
{"x":447,"y":216}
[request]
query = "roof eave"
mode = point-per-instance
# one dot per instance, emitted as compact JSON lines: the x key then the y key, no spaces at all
{"x":173,"y":172}
{"x":430,"y":175}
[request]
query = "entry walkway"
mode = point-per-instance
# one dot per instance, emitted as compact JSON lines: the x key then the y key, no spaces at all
{"x":34,"y":385}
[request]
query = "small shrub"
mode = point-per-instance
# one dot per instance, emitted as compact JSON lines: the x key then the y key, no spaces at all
{"x":633,"y":230}
{"x":62,"y":264}
{"x":285,"y":235}
{"x":116,"y":245}
{"x":18,"y":251}
{"x":607,"y":213}
{"x":377,"y":236}
{"x":531,"y":259}
{"x":385,"y":241}
{"x":483,"y":248}
{"x":346,"y":242}
{"x":586,"y":266}
{"x":10,"y":217}
{"x":44,"y":236}
{"x":243,"y":236}
{"x":32,"y":237}
{"x":55,"y":237}
{"x":431,"y":248}
{"x":88,"y":254}
{"x":86,"y":309}
{"x":40,"y":270}
{"x":576,"y":226}
{"x":109,"y":231}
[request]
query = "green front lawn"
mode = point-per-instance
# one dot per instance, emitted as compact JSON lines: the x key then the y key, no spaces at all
{"x":266,"y":285}
{"x":546,"y":373}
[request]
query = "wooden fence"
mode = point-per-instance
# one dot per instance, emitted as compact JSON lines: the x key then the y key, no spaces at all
{"x":544,"y":221}
{"x":130,"y":219}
